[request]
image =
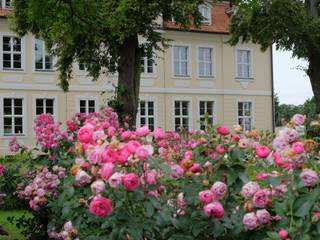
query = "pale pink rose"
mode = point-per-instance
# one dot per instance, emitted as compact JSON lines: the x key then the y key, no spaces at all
{"x":154,"y":194}
{"x":220,"y":149}
{"x":289,"y":134}
{"x":82,"y":178}
{"x":98,"y":135}
{"x":206,"y":196}
{"x":219,"y":189}
{"x":283,"y":234}
{"x":222,"y":130}
{"x":263,"y":216}
{"x":280,"y":143}
{"x":131,"y":182}
{"x":68,"y":227}
{"x":188,"y":155}
{"x":309,"y":177}
{"x":159,"y":134}
{"x":280,"y":190}
{"x":95,"y":155}
{"x":298,"y":119}
{"x":244,"y":143}
{"x":142,"y":153}
{"x":177,"y":171}
{"x":85,"y":133}
{"x":249,"y":189}
{"x":297,"y":147}
{"x":151,"y":177}
{"x":100,"y":206}
{"x":261,"y":198}
{"x":132,"y":146}
{"x":265,"y":176}
{"x":250,"y":221}
{"x":214,"y":210}
{"x":115,"y":180}
{"x":262,"y":151}
{"x":143,"y":131}
{"x":98,"y":187}
{"x":106,"y":170}
{"x":149,"y":148}
{"x":181,"y":203}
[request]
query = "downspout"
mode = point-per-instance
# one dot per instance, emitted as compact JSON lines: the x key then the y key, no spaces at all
{"x":272,"y":91}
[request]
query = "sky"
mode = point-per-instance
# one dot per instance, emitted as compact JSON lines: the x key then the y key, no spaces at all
{"x":290,"y":83}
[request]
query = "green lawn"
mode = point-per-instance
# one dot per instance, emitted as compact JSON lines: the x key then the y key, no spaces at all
{"x":14,"y":233}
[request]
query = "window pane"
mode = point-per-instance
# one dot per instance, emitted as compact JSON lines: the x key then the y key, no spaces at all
{"x":184,"y":68}
{"x":6,"y":60}
{"x":7,"y":122}
{"x":7,"y":108}
{"x":82,"y":103}
{"x":49,"y":64}
{"x":82,"y":110}
{"x":18,"y":102}
{"x":177,"y":108}
{"x":210,"y":108}
{"x":16,"y":44}
{"x":142,"y":108}
{"x":92,"y":103}
{"x":176,"y":68}
{"x":16,"y":60}
{"x":6,"y":44}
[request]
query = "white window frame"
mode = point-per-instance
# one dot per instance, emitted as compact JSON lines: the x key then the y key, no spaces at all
{"x":4,"y":4}
{"x":145,"y":67}
{"x":204,"y":6}
{"x":252,"y":109}
{"x":43,"y":70}
{"x":24,"y":115}
{"x":45,"y":96}
{"x":213,"y":62}
{"x":155,"y":110}
{"x":242,"y":78}
{"x":190,"y":117}
{"x":23,"y":50}
{"x":214,"y":112}
{"x":189,"y":57}
{"x":87,"y":98}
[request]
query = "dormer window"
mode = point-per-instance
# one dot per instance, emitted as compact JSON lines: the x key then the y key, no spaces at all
{"x":6,"y":3}
{"x":206,"y":14}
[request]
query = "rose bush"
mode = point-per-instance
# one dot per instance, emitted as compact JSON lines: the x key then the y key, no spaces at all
{"x":101,"y":181}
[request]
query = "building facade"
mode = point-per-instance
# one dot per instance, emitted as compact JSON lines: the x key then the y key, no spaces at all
{"x":198,"y":75}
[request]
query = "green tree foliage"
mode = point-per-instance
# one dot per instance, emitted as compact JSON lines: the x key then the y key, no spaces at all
{"x":103,"y":35}
{"x":289,"y":24}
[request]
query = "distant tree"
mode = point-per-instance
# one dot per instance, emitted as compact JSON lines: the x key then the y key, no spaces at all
{"x":104,"y":36}
{"x":289,"y":24}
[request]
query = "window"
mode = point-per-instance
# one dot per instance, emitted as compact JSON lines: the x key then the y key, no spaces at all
{"x":6,"y":3}
{"x":181,"y":60}
{"x":147,"y":114}
{"x":12,"y":54}
{"x":45,"y":105}
{"x":81,"y":67}
{"x":206,"y":109}
{"x":43,"y":60}
{"x":147,"y":65}
{"x":181,"y":115}
{"x":205,"y":62}
{"x":13,"y":116}
{"x":245,"y":115}
{"x":244,"y":63}
{"x":87,"y":106}
{"x":206,"y":14}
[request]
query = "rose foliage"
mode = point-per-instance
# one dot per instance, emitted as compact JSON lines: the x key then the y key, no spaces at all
{"x":100,"y":181}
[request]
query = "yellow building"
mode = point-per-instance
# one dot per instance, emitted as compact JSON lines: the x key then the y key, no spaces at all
{"x":198,"y":74}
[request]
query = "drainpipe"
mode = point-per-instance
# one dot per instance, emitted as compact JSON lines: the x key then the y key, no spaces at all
{"x":272,"y":89}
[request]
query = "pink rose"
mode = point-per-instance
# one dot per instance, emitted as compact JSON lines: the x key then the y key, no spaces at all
{"x":85,"y":134}
{"x":222,"y":130}
{"x":111,"y":131}
{"x":107,"y":170}
{"x":123,"y":156}
{"x":126,"y":135}
{"x":195,"y":168}
{"x":177,"y":171}
{"x":214,"y":210}
{"x":263,"y":216}
{"x":206,"y":196}
{"x":188,"y":155}
{"x":100,"y":206}
{"x":159,"y":134}
{"x":130,"y":182}
{"x":132,"y":146}
{"x":98,"y":187}
{"x":2,"y":169}
{"x":262,"y":151}
{"x":143,"y":131}
{"x":283,"y":234}
{"x":298,"y":119}
{"x":309,"y":177}
{"x":220,"y":149}
{"x":249,"y":189}
{"x":261,"y":198}
{"x":219,"y":189}
{"x":277,"y":159}
{"x":250,"y":221}
{"x":297,"y":147}
{"x":142,"y":153}
{"x":115,"y":180}
{"x":109,"y":155}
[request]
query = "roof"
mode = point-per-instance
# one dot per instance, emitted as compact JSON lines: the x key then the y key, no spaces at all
{"x":219,"y":24}
{"x":4,"y":12}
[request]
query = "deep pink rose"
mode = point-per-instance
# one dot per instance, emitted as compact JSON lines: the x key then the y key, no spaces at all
{"x":206,"y":196}
{"x":188,"y":155}
{"x":100,"y":206}
{"x":109,"y":155}
{"x":220,"y":149}
{"x":2,"y":169}
{"x":261,"y":198}
{"x":126,"y":135}
{"x":159,"y":134}
{"x":297,"y":147}
{"x":143,"y":131}
{"x":142,"y":153}
{"x":111,"y":131}
{"x":277,"y":159}
{"x":214,"y":210}
{"x":132,"y":146}
{"x":85,"y":134}
{"x":262,"y":151}
{"x":130,"y":182}
{"x":283,"y":234}
{"x":222,"y":130}
{"x":106,"y":170}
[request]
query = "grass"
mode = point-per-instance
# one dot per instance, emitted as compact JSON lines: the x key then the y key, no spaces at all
{"x":14,"y":232}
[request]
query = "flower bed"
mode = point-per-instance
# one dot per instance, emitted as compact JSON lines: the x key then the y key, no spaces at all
{"x":100,"y":181}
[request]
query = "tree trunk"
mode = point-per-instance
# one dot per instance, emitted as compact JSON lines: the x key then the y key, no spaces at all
{"x":129,"y":79}
{"x":314,"y":75}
